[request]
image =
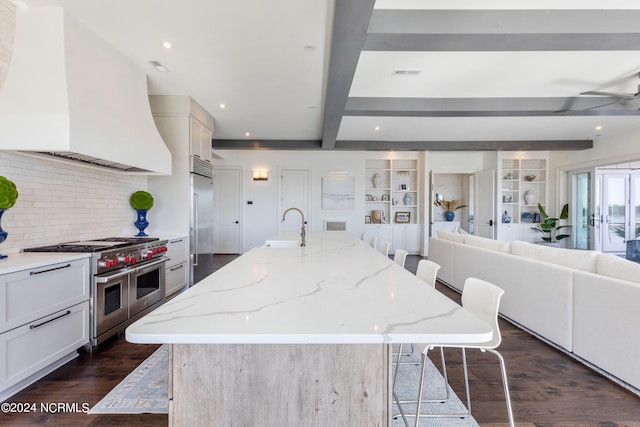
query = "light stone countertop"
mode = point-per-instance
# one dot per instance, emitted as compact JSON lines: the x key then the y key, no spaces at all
{"x":20,"y":261}
{"x":337,"y":289}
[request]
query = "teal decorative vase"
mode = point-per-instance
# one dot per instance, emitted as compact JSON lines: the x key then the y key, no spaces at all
{"x":3,"y":234}
{"x":141,"y":223}
{"x":449,"y":215}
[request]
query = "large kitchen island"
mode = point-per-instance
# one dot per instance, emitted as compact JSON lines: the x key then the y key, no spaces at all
{"x":291,"y":336}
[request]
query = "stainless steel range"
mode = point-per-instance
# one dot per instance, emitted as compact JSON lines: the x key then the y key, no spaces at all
{"x":127,"y":279}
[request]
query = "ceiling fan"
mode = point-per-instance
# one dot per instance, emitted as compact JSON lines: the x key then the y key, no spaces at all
{"x":619,"y":97}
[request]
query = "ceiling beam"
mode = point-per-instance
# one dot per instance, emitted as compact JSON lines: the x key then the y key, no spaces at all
{"x":490,"y":107}
{"x":501,"y":42}
{"x":555,"y":145}
{"x":351,"y":20}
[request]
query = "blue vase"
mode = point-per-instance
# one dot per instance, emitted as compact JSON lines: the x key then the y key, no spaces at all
{"x":141,"y":223}
{"x":3,"y":234}
{"x":449,"y":215}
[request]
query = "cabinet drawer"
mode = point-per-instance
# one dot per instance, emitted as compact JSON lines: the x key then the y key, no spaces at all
{"x":177,"y":250}
{"x":31,"y":294}
{"x":34,"y":346}
{"x":175,"y":278}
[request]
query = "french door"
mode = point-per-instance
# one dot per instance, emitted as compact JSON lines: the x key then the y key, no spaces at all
{"x":586,"y":216}
{"x":621,"y":210}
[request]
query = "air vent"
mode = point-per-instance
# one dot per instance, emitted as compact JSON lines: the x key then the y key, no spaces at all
{"x":401,"y":72}
{"x":158,"y":66}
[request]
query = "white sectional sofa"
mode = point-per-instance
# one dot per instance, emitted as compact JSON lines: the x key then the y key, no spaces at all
{"x":585,"y":302}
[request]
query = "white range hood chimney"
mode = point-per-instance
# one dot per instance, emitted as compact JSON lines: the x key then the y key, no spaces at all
{"x":71,"y":95}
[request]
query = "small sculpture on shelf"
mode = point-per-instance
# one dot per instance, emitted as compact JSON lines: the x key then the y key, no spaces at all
{"x":376,"y":180}
{"x":529,"y":178}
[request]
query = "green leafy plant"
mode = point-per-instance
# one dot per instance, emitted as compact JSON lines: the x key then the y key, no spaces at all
{"x":550,"y":227}
{"x":141,"y":200}
{"x":8,"y":193}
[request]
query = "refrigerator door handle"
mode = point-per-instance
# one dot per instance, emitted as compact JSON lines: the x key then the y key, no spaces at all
{"x":195,"y":233}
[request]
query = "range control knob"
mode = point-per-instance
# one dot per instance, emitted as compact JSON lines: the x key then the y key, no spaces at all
{"x":105,"y":263}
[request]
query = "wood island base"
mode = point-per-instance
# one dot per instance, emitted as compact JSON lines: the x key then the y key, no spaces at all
{"x":280,"y":385}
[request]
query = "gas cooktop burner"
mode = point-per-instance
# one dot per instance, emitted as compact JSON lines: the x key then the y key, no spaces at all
{"x":97,"y":245}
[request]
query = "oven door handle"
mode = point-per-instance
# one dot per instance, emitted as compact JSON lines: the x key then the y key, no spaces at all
{"x":120,"y":273}
{"x":151,"y":264}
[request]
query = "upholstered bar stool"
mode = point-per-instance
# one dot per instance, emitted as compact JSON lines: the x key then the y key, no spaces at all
{"x":482,"y":299}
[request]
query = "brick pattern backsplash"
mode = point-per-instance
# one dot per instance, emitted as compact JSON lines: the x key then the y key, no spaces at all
{"x":61,"y":202}
{"x":7,"y":32}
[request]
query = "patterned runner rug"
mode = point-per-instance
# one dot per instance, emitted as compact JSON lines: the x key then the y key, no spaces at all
{"x":145,"y":391}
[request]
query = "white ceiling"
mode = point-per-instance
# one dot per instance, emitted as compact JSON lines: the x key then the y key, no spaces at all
{"x":504,"y":75}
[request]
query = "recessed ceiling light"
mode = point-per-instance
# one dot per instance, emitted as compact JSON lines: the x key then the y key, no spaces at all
{"x":222,"y":106}
{"x":309,"y":47}
{"x":167,"y":45}
{"x":158,"y":66}
{"x":376,"y":128}
{"x":599,"y":127}
{"x":247,"y":134}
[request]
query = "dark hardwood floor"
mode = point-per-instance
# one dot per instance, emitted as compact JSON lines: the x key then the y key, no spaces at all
{"x":548,"y":388}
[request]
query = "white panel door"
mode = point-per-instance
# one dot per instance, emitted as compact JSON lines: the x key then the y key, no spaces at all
{"x":228,"y":210}
{"x":294,"y":193}
{"x":484,"y":201}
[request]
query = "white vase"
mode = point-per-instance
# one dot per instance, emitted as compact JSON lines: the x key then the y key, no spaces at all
{"x":376,"y":180}
{"x":530,"y":198}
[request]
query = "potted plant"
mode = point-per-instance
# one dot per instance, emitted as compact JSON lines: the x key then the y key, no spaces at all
{"x":550,"y":227}
{"x":450,"y":206}
{"x":141,"y":201}
{"x":8,"y":197}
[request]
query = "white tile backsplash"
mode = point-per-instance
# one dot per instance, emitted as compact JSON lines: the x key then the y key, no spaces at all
{"x":60,"y":202}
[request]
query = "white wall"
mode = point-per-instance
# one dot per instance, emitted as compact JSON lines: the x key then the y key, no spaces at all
{"x":607,"y":150}
{"x":60,"y":202}
{"x":261,"y":220}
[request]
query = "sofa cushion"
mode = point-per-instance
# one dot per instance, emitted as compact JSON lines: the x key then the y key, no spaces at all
{"x":619,"y":268}
{"x":571,"y":258}
{"x":483,"y":242}
{"x":454,"y":237}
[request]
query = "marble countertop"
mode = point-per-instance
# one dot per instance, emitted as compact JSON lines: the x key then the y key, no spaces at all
{"x":336,"y":289}
{"x":26,"y":260}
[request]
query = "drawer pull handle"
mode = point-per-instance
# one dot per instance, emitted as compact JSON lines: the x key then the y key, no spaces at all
{"x":33,"y":273}
{"x":50,"y":320}
{"x":175,"y":241}
{"x":177,"y":268}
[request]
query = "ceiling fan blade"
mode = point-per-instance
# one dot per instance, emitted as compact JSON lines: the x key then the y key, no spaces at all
{"x":601,"y":105}
{"x":613,"y":94}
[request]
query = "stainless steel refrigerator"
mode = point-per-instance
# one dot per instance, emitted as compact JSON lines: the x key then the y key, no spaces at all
{"x":201,"y":251}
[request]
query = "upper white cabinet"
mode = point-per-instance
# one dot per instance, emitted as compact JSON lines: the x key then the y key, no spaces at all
{"x":200,"y":140}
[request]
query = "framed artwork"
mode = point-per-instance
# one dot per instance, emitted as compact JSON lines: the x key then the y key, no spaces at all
{"x":338,"y":192}
{"x":367,"y":219}
{"x":368,"y":197}
{"x":403,"y":217}
{"x":385,"y":197}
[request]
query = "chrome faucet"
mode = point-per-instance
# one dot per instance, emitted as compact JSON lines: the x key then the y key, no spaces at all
{"x":303,"y":232}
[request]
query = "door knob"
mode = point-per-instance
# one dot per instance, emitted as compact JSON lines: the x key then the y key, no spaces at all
{"x":237,"y":222}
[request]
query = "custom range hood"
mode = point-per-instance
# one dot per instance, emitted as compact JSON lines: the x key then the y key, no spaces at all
{"x":70,"y":95}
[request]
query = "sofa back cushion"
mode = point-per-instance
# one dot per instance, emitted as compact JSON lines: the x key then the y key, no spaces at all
{"x":571,"y":258}
{"x":619,"y":268}
{"x":483,"y":242}
{"x":454,"y":237}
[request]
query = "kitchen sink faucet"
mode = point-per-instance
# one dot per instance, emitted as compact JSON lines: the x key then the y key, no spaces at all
{"x":303,"y":232}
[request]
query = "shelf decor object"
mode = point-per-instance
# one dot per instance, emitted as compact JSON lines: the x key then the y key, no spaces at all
{"x":8,"y":197}
{"x":141,"y":201}
{"x":449,"y":207}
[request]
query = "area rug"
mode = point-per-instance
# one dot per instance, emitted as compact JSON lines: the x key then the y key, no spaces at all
{"x":145,"y":391}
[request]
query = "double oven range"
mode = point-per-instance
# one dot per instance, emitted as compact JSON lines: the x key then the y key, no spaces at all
{"x":127,"y":279}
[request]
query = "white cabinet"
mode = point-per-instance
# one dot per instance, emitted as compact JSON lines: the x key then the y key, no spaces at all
{"x":44,"y":320}
{"x":176,"y":269}
{"x":200,"y":137}
{"x":407,"y":237}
